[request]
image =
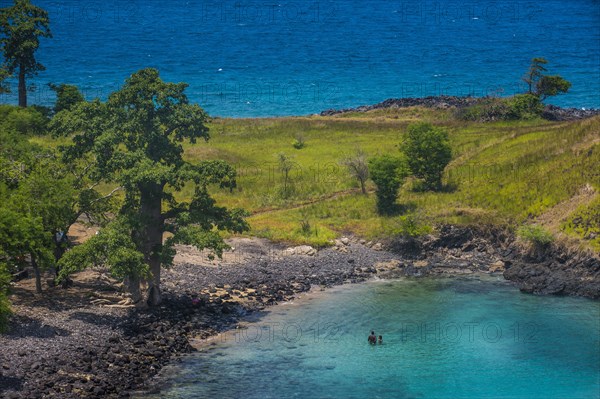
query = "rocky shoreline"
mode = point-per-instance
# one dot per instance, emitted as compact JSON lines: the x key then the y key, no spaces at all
{"x":89,"y":348}
{"x":551,"y":112}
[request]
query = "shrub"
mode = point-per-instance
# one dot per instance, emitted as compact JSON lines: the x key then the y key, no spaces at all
{"x":585,"y":222}
{"x":66,"y":96}
{"x":525,"y":106}
{"x":305,"y":227}
{"x":299,"y":142}
{"x":428,"y":152}
{"x":535,"y":235}
{"x":487,"y":110}
{"x":411,"y":225}
{"x":388,"y":174}
{"x":25,"y":121}
{"x":520,"y":106}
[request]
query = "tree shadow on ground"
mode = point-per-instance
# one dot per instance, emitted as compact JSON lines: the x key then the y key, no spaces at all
{"x":25,"y":326}
{"x":9,"y":383}
{"x":98,"y":319}
{"x":446,"y":188}
{"x":399,"y":209}
{"x":58,"y":298}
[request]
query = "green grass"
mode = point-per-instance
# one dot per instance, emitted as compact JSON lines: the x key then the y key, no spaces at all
{"x":503,"y":173}
{"x":535,"y":235}
{"x":585,"y":223}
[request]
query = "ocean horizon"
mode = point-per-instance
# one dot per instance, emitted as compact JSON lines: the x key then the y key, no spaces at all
{"x":259,"y":58}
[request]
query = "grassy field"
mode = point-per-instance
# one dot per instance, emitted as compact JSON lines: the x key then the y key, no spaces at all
{"x":506,"y":173}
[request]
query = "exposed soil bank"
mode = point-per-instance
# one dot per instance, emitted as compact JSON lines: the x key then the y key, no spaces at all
{"x":80,"y":343}
{"x":551,"y":112}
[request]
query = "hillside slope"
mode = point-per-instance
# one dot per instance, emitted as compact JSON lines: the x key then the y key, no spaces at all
{"x":504,"y":173}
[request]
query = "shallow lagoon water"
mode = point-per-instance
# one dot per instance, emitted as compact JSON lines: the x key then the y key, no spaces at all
{"x":443,"y":338}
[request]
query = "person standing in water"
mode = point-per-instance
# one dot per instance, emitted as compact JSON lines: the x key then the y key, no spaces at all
{"x":380,"y":340}
{"x":372,"y":338}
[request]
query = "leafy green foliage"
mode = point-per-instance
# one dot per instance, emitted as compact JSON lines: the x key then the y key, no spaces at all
{"x":4,"y":289}
{"x":21,"y":27}
{"x":66,"y":96}
{"x":410,"y":225}
{"x":535,"y":73}
{"x":585,"y":223}
{"x":519,"y":107}
{"x":428,"y":152}
{"x":299,"y":141}
{"x":535,"y":235}
{"x":42,"y":196}
{"x":113,"y":246}
{"x":4,"y":86}
{"x":524,"y":106}
{"x":388,"y":174}
{"x":551,"y":86}
{"x":134,"y":140}
{"x":541,"y":85}
{"x":22,"y":234}
{"x":24,"y":121}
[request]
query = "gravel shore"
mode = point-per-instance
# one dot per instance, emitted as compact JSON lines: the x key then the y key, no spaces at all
{"x":86,"y":341}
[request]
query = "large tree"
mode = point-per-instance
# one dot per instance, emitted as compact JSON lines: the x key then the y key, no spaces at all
{"x":542,"y":85}
{"x":133,"y":141}
{"x":21,"y":27}
{"x":535,"y":73}
{"x":42,"y":195}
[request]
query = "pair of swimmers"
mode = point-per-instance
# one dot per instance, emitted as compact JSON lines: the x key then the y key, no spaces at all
{"x":373,"y":339}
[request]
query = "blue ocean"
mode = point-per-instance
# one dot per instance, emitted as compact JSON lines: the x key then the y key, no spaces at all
{"x":251,"y":58}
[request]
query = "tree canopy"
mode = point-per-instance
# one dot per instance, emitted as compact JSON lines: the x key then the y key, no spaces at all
{"x":428,"y":152}
{"x":388,"y":174}
{"x":42,"y":196}
{"x":66,"y":96}
{"x":21,"y":27}
{"x":133,"y":141}
{"x":542,"y":85}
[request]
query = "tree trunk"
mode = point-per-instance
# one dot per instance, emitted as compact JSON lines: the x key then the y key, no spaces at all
{"x":150,"y":209}
{"x":22,"y":88}
{"x":38,"y":277}
{"x":133,"y":286}
{"x":362,"y":186}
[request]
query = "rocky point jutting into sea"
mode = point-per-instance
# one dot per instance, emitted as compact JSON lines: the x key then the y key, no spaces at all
{"x":81,"y":342}
{"x":550,"y":112}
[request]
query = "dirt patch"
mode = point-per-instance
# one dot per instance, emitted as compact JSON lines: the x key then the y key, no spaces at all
{"x":80,"y":232}
{"x":242,"y":250}
{"x":554,"y":217}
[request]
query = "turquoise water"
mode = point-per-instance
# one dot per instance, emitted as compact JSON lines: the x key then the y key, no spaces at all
{"x":446,"y":338}
{"x":294,"y":57}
